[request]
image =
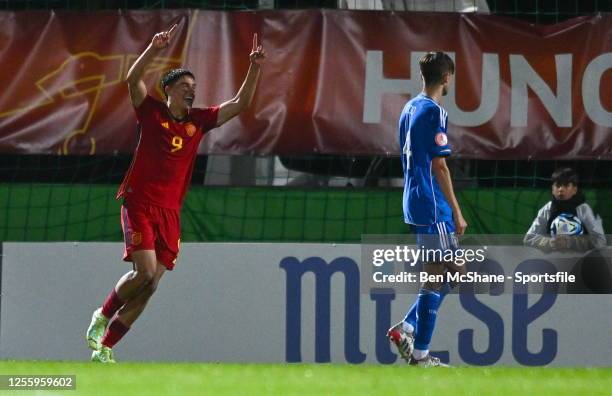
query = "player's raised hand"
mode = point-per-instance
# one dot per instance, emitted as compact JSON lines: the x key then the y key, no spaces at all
{"x":257,"y":52}
{"x":162,"y":39}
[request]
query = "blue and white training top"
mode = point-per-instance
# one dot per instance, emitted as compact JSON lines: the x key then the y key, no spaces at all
{"x":422,"y":136}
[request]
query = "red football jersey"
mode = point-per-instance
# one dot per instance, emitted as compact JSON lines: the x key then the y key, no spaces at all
{"x":163,"y":162}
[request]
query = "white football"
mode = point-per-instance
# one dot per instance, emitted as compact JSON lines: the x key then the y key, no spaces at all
{"x":566,"y":224}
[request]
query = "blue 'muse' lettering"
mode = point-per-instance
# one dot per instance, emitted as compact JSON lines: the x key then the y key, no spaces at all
{"x":522,"y":316}
{"x":383,"y":298}
{"x":493,"y":321}
{"x":323,"y":272}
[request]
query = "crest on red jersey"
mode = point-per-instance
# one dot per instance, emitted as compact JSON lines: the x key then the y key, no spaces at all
{"x":190,"y":129}
{"x":136,"y":238}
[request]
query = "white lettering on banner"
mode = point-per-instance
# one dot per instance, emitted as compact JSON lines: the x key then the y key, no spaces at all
{"x":559,"y":106}
{"x":523,"y":76}
{"x":376,"y":85}
{"x":591,"y":89}
{"x":489,"y":99}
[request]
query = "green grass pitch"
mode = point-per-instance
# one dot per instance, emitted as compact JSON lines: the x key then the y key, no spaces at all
{"x":220,"y":379}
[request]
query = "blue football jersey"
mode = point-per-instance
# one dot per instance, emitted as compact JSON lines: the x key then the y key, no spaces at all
{"x":422,"y":136}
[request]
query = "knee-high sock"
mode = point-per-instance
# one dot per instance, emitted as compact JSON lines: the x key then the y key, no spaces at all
{"x":114,"y":332}
{"x":112,"y":303}
{"x":411,"y":315}
{"x":428,"y":303}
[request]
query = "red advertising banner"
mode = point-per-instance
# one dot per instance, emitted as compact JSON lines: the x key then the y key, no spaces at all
{"x":333,"y":82}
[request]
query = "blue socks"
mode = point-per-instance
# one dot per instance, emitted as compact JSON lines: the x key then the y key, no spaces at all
{"x":427,"y":306}
{"x":411,"y":316}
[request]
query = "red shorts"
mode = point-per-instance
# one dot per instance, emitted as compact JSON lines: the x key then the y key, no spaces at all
{"x":150,"y":227}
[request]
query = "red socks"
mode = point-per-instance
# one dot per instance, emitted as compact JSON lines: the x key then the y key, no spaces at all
{"x":112,"y":303}
{"x":115,"y":331}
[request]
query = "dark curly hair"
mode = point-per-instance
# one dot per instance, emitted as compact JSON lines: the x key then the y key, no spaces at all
{"x":172,"y":76}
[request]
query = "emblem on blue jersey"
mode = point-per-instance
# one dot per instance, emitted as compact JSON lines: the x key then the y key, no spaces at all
{"x":441,"y":139}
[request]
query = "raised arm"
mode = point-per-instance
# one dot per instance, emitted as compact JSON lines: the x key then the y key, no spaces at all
{"x":243,"y":98}
{"x":136,"y":85}
{"x":442,"y":173}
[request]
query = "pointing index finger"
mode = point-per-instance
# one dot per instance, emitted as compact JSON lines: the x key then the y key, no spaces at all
{"x":255,"y":42}
{"x":172,"y":29}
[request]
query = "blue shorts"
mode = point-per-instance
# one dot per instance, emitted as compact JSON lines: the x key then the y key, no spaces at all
{"x":439,"y":235}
